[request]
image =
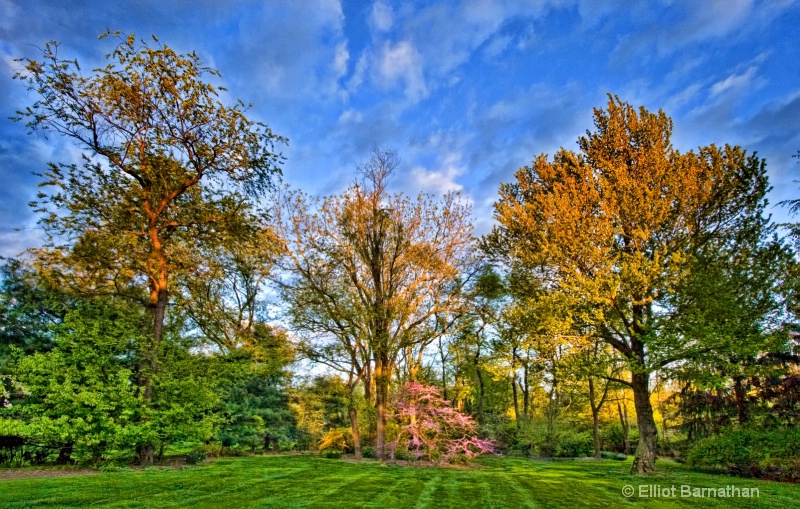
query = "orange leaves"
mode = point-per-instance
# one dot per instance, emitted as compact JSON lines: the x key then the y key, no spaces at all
{"x":615,"y":220}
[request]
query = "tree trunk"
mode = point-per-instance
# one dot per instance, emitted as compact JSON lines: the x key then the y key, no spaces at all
{"x":158,"y":306}
{"x":354,"y":427}
{"x":444,"y":369}
{"x":145,"y":453}
{"x":367,"y":379}
{"x":514,"y":395}
{"x":480,"y":395}
{"x":595,"y":418}
{"x":623,"y":421}
{"x":514,"y":385}
{"x":596,"y":432}
{"x":525,"y":393}
{"x":741,"y":400}
{"x":382,"y":375}
{"x":645,"y":460}
{"x":479,"y":374}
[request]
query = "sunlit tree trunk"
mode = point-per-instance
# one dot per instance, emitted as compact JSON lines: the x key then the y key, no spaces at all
{"x":382,"y":377}
{"x":354,"y":428}
{"x":645,"y":460}
{"x":595,"y":418}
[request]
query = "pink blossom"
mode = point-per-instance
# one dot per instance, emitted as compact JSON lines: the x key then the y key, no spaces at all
{"x":429,"y":424}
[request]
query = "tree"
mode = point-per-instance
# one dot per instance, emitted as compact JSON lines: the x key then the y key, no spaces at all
{"x":167,"y":168}
{"x":431,"y":427}
{"x":738,"y":299}
{"x":613,"y":230}
{"x":255,"y":384}
{"x":373,"y":271}
{"x":223,"y":299}
{"x":28,"y":311}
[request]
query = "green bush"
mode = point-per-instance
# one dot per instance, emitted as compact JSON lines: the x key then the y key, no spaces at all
{"x":613,"y":438}
{"x":368,"y":452}
{"x":403,"y":455}
{"x":458,"y":459}
{"x":195,"y":457}
{"x":571,"y":444}
{"x":332,"y":454}
{"x":608,"y":455}
{"x":561,"y":443}
{"x":768,"y":453}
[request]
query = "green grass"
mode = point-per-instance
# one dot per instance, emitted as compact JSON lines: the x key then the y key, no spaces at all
{"x":311,"y":481}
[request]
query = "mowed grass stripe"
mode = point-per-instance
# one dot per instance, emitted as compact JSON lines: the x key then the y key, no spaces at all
{"x":425,"y":498}
{"x":313,"y":482}
{"x":507,"y":491}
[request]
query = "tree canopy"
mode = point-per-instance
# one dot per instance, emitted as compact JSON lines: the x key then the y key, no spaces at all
{"x":168,"y":172}
{"x":615,"y":228}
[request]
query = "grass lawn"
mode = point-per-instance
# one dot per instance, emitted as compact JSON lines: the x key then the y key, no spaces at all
{"x":311,"y":481}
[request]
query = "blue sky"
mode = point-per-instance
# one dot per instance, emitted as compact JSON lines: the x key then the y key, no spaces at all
{"x":465,"y":91}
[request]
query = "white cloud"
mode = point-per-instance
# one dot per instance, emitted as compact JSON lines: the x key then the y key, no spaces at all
{"x":424,"y":47}
{"x":289,"y":50}
{"x":497,"y":45}
{"x":402,"y":63}
{"x":350,"y":116}
{"x":442,"y":180}
{"x":8,"y":14}
{"x":735,"y":82}
{"x":713,"y":18}
{"x":436,"y":182}
{"x":381,"y":17}
{"x":341,"y":56}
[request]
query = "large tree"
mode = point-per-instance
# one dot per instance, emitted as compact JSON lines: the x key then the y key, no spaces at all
{"x":374,"y":272}
{"x":168,"y":170}
{"x":614,"y":229}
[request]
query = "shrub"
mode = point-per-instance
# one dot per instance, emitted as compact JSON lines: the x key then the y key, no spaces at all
{"x":332,"y":454}
{"x":608,"y":455}
{"x":195,"y":457}
{"x":403,"y":455}
{"x":458,"y":459}
{"x":288,"y":445}
{"x":769,"y":453}
{"x":340,"y":439}
{"x":560,"y":443}
{"x":614,"y":439}
{"x":432,"y":428}
{"x":570,"y":444}
{"x":368,"y":452}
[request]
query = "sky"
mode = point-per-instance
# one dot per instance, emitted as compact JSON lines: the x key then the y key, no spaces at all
{"x":464,"y":91}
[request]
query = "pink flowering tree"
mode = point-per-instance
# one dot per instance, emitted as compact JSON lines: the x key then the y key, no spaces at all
{"x":430,"y":427}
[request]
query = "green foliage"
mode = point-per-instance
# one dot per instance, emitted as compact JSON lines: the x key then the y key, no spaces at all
{"x":561,"y":442}
{"x":29,"y":310}
{"x":404,"y":455}
{"x":81,"y":398}
{"x":195,"y":457}
{"x":79,"y":394}
{"x":368,"y":452}
{"x":618,"y":456}
{"x":333,"y":454}
{"x":254,"y":383}
{"x":755,"y":452}
{"x":458,"y":459}
{"x":320,"y":405}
